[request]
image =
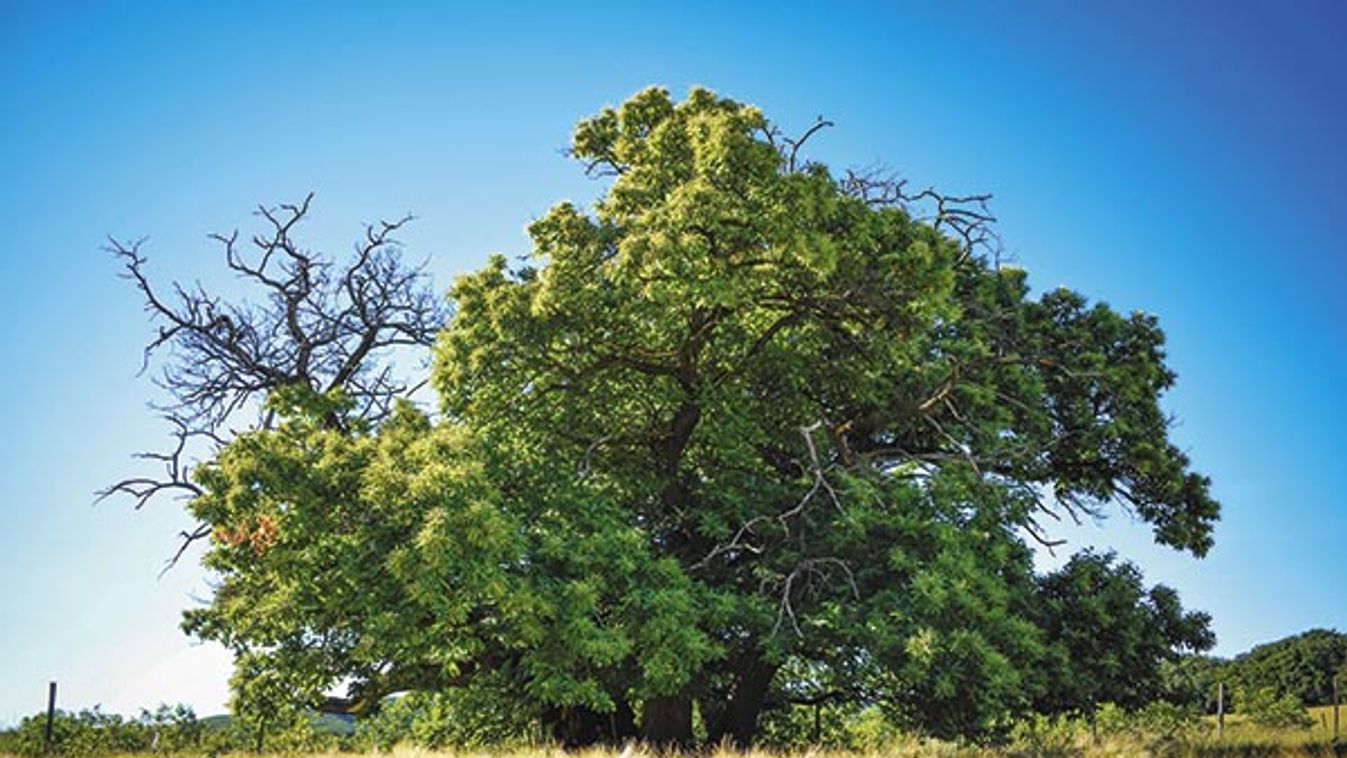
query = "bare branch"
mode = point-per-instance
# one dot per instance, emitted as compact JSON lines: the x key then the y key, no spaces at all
{"x":188,"y":538}
{"x":807,"y":571}
{"x":739,"y":543}
{"x":316,"y":323}
{"x":966,"y":218}
{"x":791,"y":155}
{"x":175,"y":478}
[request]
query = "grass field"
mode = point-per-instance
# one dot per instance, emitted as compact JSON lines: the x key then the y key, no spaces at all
{"x":1321,"y":731}
{"x":1240,"y":740}
{"x":1103,"y":748}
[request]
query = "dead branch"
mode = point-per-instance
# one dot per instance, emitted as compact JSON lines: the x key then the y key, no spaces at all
{"x":739,"y":542}
{"x":791,"y":147}
{"x":966,"y":218}
{"x":316,"y":323}
{"x":807,"y":571}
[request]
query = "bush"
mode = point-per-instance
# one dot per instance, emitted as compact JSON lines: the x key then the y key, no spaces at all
{"x":1045,"y":736}
{"x":88,"y":732}
{"x":1264,"y":707}
{"x":469,"y":717}
{"x":1167,"y":722}
{"x":166,"y":729}
{"x":172,"y":728}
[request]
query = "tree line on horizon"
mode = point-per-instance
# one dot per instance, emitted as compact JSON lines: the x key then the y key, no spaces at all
{"x":1309,"y":667}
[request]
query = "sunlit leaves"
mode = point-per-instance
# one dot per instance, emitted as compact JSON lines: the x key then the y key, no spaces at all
{"x":732,"y":421}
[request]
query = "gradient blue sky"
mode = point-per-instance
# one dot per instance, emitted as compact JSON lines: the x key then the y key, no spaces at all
{"x":1186,"y":161}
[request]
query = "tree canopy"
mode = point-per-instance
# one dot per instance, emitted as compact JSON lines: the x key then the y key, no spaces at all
{"x":1109,"y":637}
{"x":743,"y":433}
{"x":1302,"y":666}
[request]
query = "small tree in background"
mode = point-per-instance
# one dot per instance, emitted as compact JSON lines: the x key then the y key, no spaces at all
{"x":1265,"y":707}
{"x":172,"y":728}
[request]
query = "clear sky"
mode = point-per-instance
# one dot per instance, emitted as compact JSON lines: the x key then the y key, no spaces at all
{"x":1184,"y":159}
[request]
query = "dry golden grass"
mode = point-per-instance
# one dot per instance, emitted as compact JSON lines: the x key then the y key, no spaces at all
{"x":1103,"y":748}
{"x":1240,"y":740}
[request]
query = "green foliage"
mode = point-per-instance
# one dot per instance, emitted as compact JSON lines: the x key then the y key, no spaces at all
{"x":91,"y":732}
{"x":454,"y":719}
{"x":1108,"y":636}
{"x":391,"y":724}
{"x":1167,"y":723}
{"x":737,"y":430}
{"x":1191,"y":681}
{"x":173,"y":728}
{"x":1265,"y":707}
{"x":843,"y":725}
{"x":269,"y":709}
{"x":1045,"y":736}
{"x":87,"y":732}
{"x":1157,"y":729}
{"x":1302,"y":666}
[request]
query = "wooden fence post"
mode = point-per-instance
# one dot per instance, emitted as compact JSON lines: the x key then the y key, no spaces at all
{"x":1220,"y":710}
{"x":51,"y":717}
{"x":1336,"y":702}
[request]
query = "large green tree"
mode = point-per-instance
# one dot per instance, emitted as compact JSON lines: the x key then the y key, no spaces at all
{"x":742,"y":431}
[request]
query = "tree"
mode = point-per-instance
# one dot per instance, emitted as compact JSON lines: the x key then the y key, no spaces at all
{"x":1301,"y":666}
{"x":747,"y":432}
{"x":1109,"y":636}
{"x":1191,"y":682}
{"x":1265,"y":708}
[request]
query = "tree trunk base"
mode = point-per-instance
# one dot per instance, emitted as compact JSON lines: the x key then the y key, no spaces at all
{"x":666,"y":722}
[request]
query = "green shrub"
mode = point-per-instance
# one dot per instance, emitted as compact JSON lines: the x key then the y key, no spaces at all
{"x":1264,"y":707}
{"x":1045,"y":736}
{"x":86,"y":733}
{"x":469,"y":717}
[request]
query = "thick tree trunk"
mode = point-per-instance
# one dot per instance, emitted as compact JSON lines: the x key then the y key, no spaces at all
{"x":666,"y":722}
{"x":623,"y":724}
{"x":577,"y":726}
{"x":737,"y":720}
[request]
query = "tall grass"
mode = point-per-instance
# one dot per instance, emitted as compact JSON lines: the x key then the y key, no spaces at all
{"x":1047,"y":739}
{"x":1240,"y":743}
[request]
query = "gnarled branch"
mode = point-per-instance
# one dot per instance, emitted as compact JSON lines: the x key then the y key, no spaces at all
{"x":320,"y":324}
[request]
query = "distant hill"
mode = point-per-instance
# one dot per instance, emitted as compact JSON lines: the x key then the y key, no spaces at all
{"x":340,"y":725}
{"x":220,"y":721}
{"x":1303,"y":664}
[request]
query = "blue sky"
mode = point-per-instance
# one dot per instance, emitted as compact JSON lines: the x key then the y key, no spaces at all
{"x":1185,"y":161}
